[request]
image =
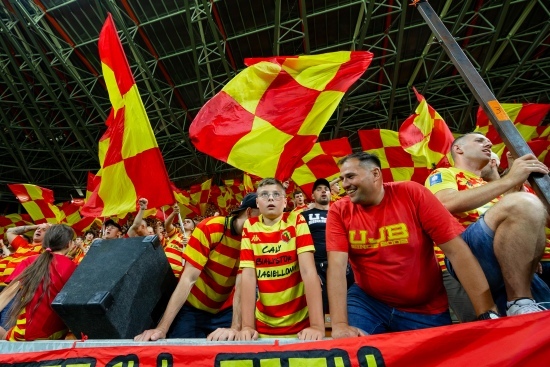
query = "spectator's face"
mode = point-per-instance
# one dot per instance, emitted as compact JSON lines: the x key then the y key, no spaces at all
{"x":321,"y":195}
{"x":360,"y":182}
{"x":150,"y":231}
{"x":89,"y":236}
{"x":299,"y":199}
{"x":39,"y":233}
{"x":78,"y":241}
{"x":335,"y":188}
{"x":188,"y":224}
{"x":111,"y":232}
{"x":271,"y":201}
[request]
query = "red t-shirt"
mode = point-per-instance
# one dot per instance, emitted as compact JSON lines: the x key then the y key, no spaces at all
{"x":390,"y":245}
{"x":42,"y":322}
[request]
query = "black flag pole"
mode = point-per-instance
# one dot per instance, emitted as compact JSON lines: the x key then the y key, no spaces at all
{"x":486,"y":99}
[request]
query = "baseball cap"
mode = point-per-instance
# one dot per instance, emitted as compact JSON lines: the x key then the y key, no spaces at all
{"x":249,"y":201}
{"x":111,"y":222}
{"x":320,"y":181}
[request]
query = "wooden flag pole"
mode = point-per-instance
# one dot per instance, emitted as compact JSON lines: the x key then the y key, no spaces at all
{"x":486,"y":99}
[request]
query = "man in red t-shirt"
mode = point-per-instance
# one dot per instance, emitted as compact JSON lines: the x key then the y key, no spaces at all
{"x":387,"y":230}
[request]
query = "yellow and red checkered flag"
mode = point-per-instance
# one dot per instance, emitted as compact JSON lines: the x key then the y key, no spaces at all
{"x":14,"y":220}
{"x":131,"y":161}
{"x":236,"y":188}
{"x":91,"y":184}
{"x":540,"y":148}
{"x":525,"y":116}
{"x":425,"y":134}
{"x":397,"y":164}
{"x":38,"y":202}
{"x":199,"y":195}
{"x":85,"y":224}
{"x":250,"y":182}
{"x":184,"y":202}
{"x":69,"y":212}
{"x":270,"y":115}
{"x":321,"y":162}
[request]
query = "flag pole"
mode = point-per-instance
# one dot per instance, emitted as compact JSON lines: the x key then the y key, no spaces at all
{"x":486,"y":99}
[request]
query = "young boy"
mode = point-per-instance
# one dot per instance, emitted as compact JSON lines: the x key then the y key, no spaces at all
{"x":277,"y":254}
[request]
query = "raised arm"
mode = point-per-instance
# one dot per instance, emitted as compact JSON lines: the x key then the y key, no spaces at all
{"x":13,"y":232}
{"x":168,"y":223}
{"x":132,"y":231}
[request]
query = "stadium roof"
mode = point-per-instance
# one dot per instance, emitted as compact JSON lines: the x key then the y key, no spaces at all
{"x":54,"y":102}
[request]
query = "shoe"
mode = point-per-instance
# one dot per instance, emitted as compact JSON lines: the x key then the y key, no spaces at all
{"x":523,"y":306}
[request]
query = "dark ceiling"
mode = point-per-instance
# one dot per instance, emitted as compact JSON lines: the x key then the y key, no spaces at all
{"x":54,"y":102}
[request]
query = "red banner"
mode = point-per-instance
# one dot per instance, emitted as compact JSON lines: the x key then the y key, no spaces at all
{"x":514,"y":341}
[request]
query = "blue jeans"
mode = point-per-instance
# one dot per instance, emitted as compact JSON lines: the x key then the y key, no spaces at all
{"x":479,"y":238}
{"x":193,"y":323}
{"x":375,"y":317}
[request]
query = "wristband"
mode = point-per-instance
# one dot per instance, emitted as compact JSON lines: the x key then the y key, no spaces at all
{"x":489,"y":315}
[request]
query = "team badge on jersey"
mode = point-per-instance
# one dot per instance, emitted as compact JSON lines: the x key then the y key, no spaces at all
{"x":435,"y":179}
{"x":285,"y":236}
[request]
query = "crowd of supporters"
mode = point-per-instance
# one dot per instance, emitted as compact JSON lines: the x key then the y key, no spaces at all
{"x":277,"y":285}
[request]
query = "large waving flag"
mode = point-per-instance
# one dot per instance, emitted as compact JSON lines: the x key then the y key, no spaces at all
{"x":69,"y":212}
{"x":131,"y":161}
{"x":397,"y":164}
{"x":38,"y":202}
{"x":321,"y":162}
{"x":270,"y":115}
{"x":525,"y":116}
{"x":199,"y":195}
{"x":250,"y":182}
{"x":425,"y":135}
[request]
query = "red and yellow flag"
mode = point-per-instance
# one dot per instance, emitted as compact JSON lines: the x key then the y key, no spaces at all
{"x":184,"y":202}
{"x":14,"y":220}
{"x":69,"y":212}
{"x":397,"y":164}
{"x":425,"y":135}
{"x":321,"y":162}
{"x":250,"y":182}
{"x":270,"y":115}
{"x":525,"y":116}
{"x":131,"y":161}
{"x":38,"y":202}
{"x":199,"y":195}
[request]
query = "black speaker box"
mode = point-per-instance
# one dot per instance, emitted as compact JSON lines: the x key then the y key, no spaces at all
{"x":120,"y":288}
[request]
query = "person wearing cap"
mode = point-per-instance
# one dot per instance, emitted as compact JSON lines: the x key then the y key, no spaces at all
{"x":201,"y":304}
{"x":111,"y":230}
{"x":316,"y":219}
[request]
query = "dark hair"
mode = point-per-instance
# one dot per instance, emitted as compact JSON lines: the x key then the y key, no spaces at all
{"x":57,"y":237}
{"x":271,"y":181}
{"x":363,"y":158}
{"x":296,"y":193}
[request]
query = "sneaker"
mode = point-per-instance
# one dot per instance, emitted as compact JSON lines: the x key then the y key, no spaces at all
{"x":523,"y":306}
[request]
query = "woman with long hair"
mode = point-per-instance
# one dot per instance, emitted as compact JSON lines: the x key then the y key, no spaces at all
{"x":33,"y":286}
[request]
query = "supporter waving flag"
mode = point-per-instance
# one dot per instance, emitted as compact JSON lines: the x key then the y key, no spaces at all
{"x":131,"y":162}
{"x":38,"y":202}
{"x":270,"y":115}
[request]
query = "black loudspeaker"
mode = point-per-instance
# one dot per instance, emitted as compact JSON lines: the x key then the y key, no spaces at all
{"x":120,"y":288}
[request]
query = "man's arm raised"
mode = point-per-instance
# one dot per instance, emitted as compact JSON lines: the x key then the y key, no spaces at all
{"x":188,"y":278}
{"x":462,"y":201}
{"x":132,"y":231}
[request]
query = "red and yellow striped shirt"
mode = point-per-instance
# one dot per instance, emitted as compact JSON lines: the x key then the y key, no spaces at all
{"x":173,"y":248}
{"x":215,"y":251}
{"x":23,"y":250}
{"x":273,"y":251}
